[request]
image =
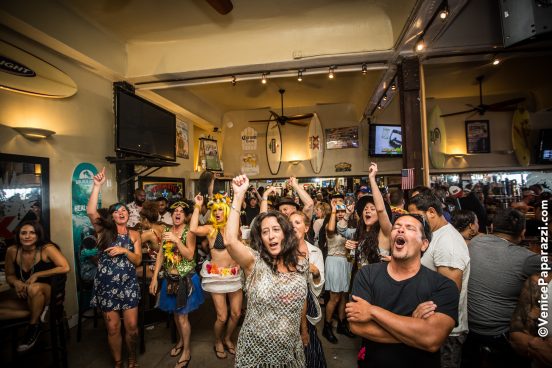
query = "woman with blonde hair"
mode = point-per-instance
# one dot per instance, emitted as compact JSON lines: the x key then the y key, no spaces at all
{"x":220,"y":274}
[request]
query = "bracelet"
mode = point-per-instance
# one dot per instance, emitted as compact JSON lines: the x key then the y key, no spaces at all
{"x":235,"y":209}
{"x":333,"y":213}
{"x":264,"y":199}
{"x":197,"y":206}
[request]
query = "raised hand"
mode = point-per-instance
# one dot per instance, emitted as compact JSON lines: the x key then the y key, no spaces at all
{"x":269,"y":190}
{"x":240,"y":184}
{"x":198,"y":199}
{"x":373,"y":170}
{"x":333,"y":204}
{"x":293,"y":182}
{"x":99,"y":178}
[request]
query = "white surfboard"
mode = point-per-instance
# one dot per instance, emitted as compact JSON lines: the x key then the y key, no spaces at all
{"x":25,"y":73}
{"x":315,"y":144}
{"x":437,"y":138}
{"x":273,"y":147}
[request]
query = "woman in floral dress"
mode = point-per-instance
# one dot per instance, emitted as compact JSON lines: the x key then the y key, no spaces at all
{"x":275,"y":284}
{"x":115,"y":285}
{"x":180,"y":289}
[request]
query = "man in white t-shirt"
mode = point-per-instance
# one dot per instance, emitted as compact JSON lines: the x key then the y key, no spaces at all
{"x":447,"y":254}
{"x":135,"y":207}
{"x":164,"y":214}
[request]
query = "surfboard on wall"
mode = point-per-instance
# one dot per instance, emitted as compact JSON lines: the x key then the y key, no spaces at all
{"x":437,"y":138}
{"x":316,"y":144}
{"x":520,"y":136}
{"x":273,"y":147}
{"x":23,"y":72}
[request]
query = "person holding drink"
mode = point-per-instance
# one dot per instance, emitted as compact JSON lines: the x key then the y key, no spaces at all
{"x":181,"y":288}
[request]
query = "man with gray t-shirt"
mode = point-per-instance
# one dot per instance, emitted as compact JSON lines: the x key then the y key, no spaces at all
{"x":448,"y":255}
{"x":499,"y":267}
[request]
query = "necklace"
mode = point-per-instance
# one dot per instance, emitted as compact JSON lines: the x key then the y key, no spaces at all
{"x":21,"y":264}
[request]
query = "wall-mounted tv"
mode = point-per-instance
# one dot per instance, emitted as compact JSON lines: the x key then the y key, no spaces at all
{"x":385,"y":141}
{"x":544,"y":153}
{"x":142,"y":128}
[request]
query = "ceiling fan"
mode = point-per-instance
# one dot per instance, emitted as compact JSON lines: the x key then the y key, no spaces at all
{"x":507,"y":105}
{"x":282,"y":119}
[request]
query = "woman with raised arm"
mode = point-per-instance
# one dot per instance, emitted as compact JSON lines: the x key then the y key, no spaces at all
{"x":312,"y":314}
{"x":221,"y":274}
{"x":181,"y":289}
{"x":374,"y":229}
{"x":30,"y":264}
{"x":276,"y":286}
{"x":115,"y":285}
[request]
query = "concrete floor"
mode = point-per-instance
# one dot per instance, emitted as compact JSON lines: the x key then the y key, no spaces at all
{"x":93,"y":350}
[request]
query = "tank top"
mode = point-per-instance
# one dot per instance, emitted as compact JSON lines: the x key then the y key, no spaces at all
{"x":39,"y":266}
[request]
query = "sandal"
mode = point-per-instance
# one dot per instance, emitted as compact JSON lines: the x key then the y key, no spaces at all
{"x":176,"y":350}
{"x":230,"y":349}
{"x":186,"y":362}
{"x":219,"y":353}
{"x":118,"y":364}
{"x":132,"y":363}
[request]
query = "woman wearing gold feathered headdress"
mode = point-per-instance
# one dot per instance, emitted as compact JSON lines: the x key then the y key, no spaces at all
{"x":220,"y":274}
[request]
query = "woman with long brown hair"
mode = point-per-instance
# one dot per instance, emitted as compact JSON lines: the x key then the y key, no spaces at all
{"x":116,"y":287}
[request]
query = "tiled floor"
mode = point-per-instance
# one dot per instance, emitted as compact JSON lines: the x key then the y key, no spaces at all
{"x":93,"y":350}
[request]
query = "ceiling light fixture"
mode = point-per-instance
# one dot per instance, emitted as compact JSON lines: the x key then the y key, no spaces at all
{"x":233,"y":80}
{"x":385,"y":97}
{"x":34,"y":134}
{"x":295,"y":162}
{"x":300,"y":75}
{"x":263,"y":78}
{"x":420,"y":45}
{"x":331,"y":72}
{"x":444,"y":12}
{"x":364,"y":69}
{"x":393,"y":87}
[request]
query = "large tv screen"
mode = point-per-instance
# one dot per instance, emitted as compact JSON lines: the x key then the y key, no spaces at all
{"x":385,"y":141}
{"x":142,"y":128}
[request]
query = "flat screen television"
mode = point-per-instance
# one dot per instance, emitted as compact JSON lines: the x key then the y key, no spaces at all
{"x":142,"y":128}
{"x":544,"y":154}
{"x":385,"y":141}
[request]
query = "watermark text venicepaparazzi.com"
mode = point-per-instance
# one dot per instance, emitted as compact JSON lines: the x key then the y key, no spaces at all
{"x":545,"y":269}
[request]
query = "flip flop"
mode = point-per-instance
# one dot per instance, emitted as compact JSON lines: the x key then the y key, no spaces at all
{"x":230,"y":349}
{"x":186,"y":362}
{"x":176,"y":350}
{"x":219,"y":353}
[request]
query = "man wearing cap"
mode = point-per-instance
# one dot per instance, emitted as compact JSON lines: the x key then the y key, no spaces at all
{"x":385,"y":309}
{"x":287,"y":205}
{"x":448,"y":255}
{"x":499,"y":267}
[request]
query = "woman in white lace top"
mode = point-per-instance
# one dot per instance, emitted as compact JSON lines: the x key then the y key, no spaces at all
{"x":276,"y":287}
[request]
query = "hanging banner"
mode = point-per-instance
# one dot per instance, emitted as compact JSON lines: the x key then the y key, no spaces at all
{"x":81,"y":185}
{"x":249,"y":164}
{"x":249,"y":139}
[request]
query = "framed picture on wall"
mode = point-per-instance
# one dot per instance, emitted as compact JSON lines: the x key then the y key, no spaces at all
{"x":342,"y":138}
{"x":478,"y":136}
{"x":171,"y":188}
{"x":182,"y":140}
{"x":208,"y":154}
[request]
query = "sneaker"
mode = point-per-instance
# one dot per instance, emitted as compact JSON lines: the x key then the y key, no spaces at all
{"x":45,"y":314}
{"x":31,"y":337}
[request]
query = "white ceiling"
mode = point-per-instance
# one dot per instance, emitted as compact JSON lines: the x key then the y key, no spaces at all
{"x":171,"y":47}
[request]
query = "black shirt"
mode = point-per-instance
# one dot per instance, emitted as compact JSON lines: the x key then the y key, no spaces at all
{"x":373,"y":284}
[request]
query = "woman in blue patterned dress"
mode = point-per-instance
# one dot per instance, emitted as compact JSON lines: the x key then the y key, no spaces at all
{"x":115,"y":285}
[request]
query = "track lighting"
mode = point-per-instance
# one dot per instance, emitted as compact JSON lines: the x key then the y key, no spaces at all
{"x":263,"y":78}
{"x":331,"y":72}
{"x":364,"y":69}
{"x":444,"y":12}
{"x":420,"y":45}
{"x":393,"y":87}
{"x":384,"y":97}
{"x":496,"y":61}
{"x":233,"y":80}
{"x":299,"y":75}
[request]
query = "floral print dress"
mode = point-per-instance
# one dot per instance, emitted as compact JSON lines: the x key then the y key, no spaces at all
{"x":115,"y":285}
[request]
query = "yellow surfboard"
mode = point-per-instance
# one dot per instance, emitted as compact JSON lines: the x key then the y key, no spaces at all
{"x":437,"y":138}
{"x":520,"y":136}
{"x":25,"y":73}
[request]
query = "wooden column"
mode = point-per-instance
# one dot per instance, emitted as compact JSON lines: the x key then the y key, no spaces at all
{"x":409,"y":93}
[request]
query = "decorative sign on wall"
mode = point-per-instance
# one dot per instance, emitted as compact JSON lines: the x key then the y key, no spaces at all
{"x":155,"y":187}
{"x":182,"y":140}
{"x":478,"y":137}
{"x":342,"y":138}
{"x":342,"y":167}
{"x":249,"y":139}
{"x":208,"y":154}
{"x":249,"y":164}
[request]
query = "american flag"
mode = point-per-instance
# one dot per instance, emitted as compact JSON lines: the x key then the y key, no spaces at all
{"x":407,"y":179}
